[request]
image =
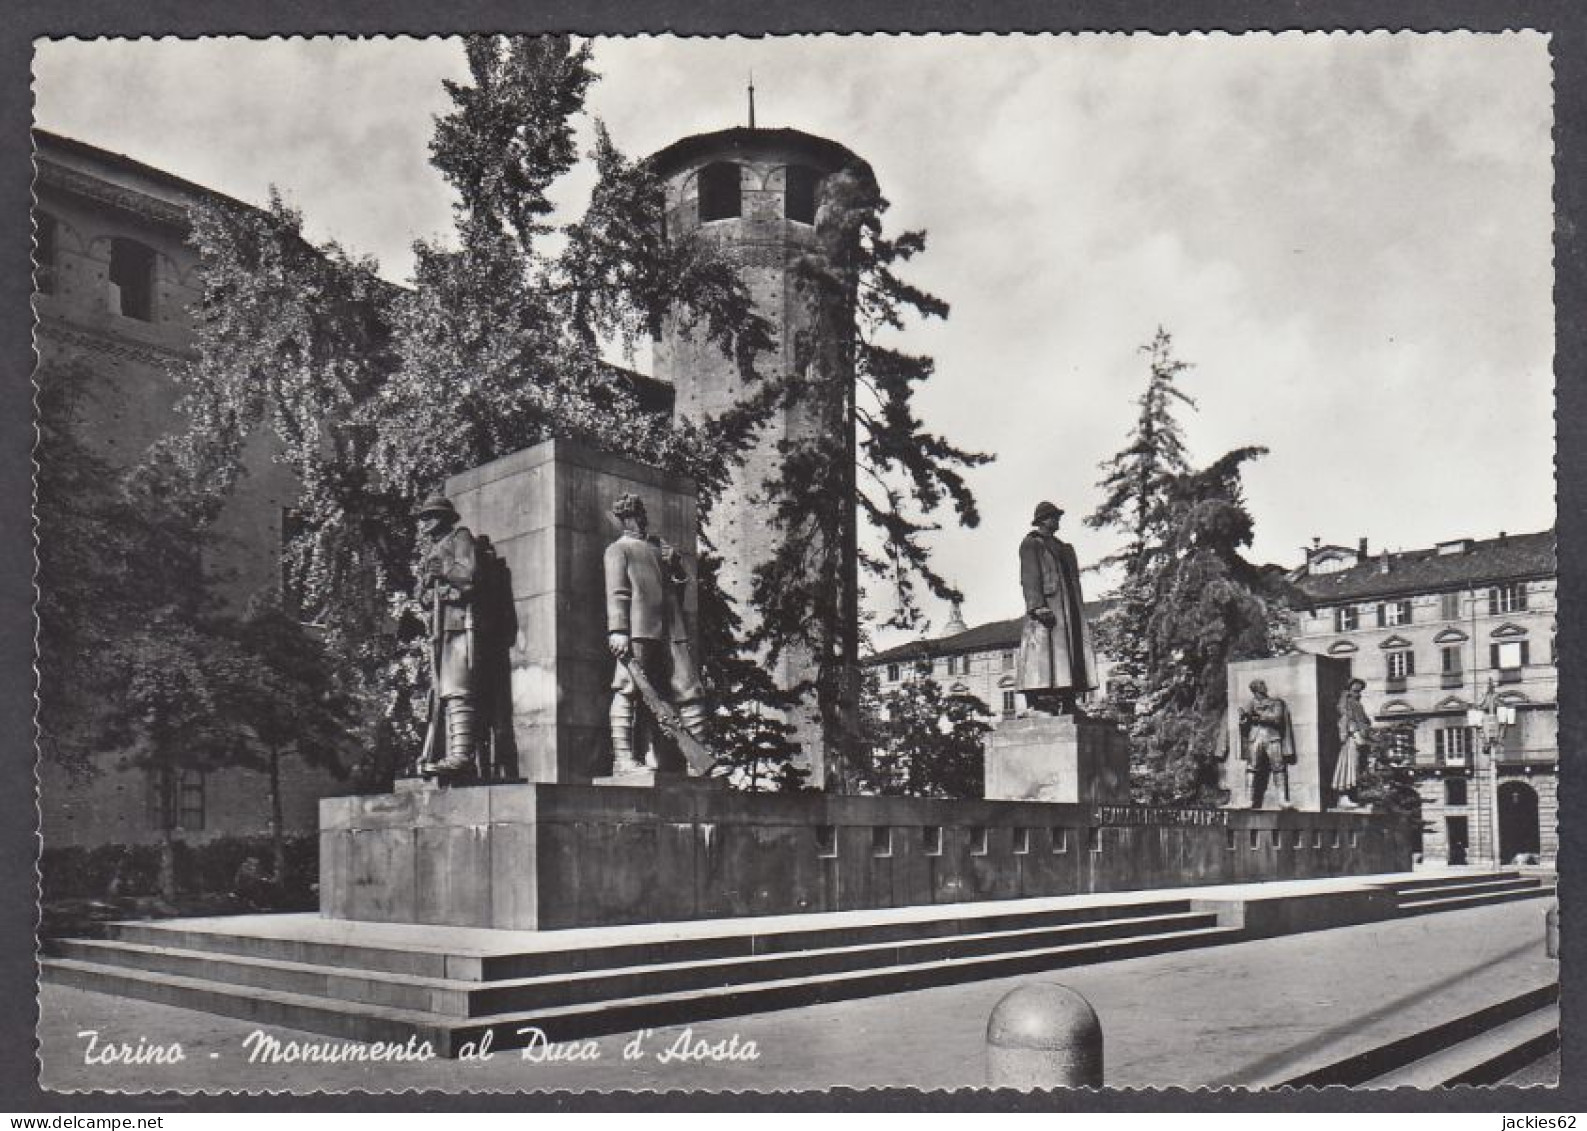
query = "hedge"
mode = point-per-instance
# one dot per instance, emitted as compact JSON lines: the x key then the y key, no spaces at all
{"x":208,"y":867}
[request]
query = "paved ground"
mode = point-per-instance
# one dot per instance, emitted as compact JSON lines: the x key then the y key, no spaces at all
{"x":1223,"y":1015}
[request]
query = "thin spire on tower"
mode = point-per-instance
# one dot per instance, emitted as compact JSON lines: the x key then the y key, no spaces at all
{"x":752,"y":99}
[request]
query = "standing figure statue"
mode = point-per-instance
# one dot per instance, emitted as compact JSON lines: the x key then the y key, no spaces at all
{"x":647,"y":636}
{"x":1355,"y":740}
{"x":1268,"y":742}
{"x":1056,"y":661}
{"x":446,"y":582}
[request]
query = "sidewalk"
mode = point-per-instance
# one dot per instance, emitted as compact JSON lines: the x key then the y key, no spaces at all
{"x":1227,"y":1015}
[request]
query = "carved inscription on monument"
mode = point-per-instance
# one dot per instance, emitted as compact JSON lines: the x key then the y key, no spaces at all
{"x":1141,"y":815}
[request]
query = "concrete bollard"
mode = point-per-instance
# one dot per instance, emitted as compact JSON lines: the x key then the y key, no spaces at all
{"x":1043,"y":1035}
{"x":1551,"y":931}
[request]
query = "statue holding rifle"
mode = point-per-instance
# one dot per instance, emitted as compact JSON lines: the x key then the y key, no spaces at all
{"x":447,"y":578}
{"x":647,"y":637}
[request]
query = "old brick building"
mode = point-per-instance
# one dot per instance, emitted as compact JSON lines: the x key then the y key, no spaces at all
{"x":754,"y":193}
{"x":1428,"y":630}
{"x":114,"y":284}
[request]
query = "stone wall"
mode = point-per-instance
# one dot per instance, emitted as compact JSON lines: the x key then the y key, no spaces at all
{"x":539,"y":856}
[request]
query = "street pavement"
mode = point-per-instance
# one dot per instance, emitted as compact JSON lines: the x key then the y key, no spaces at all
{"x":1225,"y":1015}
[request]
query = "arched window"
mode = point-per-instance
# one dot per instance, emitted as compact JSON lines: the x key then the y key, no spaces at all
{"x":44,"y":253}
{"x":721,"y":192}
{"x":132,"y":279}
{"x":799,"y":193}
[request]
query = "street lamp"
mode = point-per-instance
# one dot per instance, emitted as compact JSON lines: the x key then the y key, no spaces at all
{"x":1493,"y":719}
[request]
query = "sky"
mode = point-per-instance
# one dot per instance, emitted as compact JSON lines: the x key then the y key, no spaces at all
{"x":1348,"y":237}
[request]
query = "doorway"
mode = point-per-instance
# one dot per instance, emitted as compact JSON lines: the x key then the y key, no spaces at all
{"x":1458,"y":835}
{"x":1518,"y":824}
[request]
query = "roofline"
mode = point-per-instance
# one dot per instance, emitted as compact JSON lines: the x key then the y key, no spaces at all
{"x":1419,"y":590}
{"x":44,"y":140}
{"x":672,"y":157}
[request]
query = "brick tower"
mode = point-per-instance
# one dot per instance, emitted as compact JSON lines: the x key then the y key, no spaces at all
{"x":754,"y":193}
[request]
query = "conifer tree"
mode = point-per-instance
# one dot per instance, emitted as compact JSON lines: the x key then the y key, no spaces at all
{"x":871,"y":458}
{"x":1209,"y":607}
{"x":1136,"y":484}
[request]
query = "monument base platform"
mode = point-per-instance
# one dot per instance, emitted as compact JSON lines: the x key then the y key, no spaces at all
{"x":455,"y":988}
{"x":539,"y":856}
{"x":1058,"y":758}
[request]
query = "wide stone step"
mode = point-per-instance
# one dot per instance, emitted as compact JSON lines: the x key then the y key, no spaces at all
{"x":1451,"y":879}
{"x":436,"y":960}
{"x":373,"y":1022}
{"x":461,"y":999}
{"x":1505,"y":883}
{"x":1484,"y":1059}
{"x":1478,"y":899}
{"x":1381,"y":1061}
{"x":659,"y":1010}
{"x":350,"y":1020}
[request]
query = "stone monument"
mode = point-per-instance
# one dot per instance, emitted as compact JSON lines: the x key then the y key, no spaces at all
{"x":1056,"y":754}
{"x":1310,"y":687}
{"x":546,"y":510}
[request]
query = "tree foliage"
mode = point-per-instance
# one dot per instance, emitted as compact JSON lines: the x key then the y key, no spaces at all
{"x":1210,"y":607}
{"x":865,"y":453}
{"x":1136,"y":482}
{"x":376,"y":393}
{"x":1188,"y":602}
{"x":923,"y":742}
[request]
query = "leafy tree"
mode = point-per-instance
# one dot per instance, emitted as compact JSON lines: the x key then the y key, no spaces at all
{"x":923,"y":742}
{"x":285,"y":700}
{"x":376,"y":394}
{"x":1136,"y":483}
{"x":866,"y":454}
{"x":1387,"y":780}
{"x":1209,"y":607}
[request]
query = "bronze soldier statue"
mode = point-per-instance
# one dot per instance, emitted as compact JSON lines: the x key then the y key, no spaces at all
{"x":1268,"y":741}
{"x":446,"y":581}
{"x":1056,"y":661}
{"x":647,"y":635}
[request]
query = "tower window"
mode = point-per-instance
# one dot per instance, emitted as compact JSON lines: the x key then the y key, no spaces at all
{"x":132,"y":279}
{"x":721,"y":192}
{"x":799,"y":193}
{"x":44,"y":253}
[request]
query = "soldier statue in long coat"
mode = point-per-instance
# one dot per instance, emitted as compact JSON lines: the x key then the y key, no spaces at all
{"x":1056,"y":660}
{"x":447,"y":582}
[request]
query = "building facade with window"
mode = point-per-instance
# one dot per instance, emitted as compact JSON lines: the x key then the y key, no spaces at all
{"x":1428,"y":630}
{"x":114,"y":282}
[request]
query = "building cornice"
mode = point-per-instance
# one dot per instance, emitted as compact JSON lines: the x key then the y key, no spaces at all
{"x":129,"y":201}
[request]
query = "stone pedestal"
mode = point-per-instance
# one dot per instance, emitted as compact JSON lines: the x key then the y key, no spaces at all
{"x":662,"y":779}
{"x":545,"y":509}
{"x":544,"y":857}
{"x":1311,"y":686}
{"x":1064,"y":759}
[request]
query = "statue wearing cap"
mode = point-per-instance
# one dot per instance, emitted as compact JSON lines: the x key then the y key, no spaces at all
{"x":447,"y":577}
{"x":1056,"y":660}
{"x":646,"y":631}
